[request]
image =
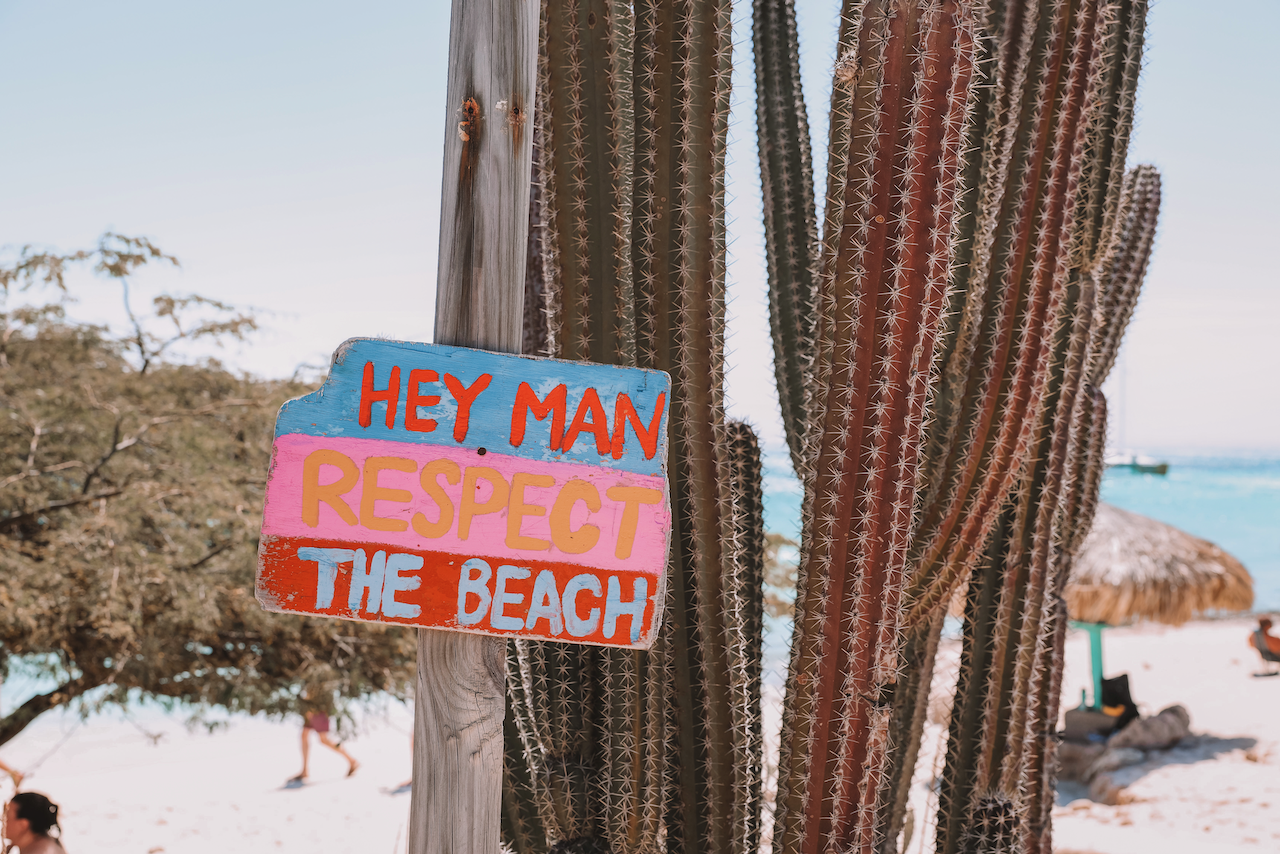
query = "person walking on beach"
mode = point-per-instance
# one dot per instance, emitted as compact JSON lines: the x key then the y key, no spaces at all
{"x":28,"y":819}
{"x":316,"y":720}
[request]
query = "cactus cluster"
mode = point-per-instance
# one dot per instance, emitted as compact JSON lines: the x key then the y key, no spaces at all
{"x":938,"y":357}
{"x":1011,"y":451}
{"x":622,"y":750}
{"x":1006,"y":706}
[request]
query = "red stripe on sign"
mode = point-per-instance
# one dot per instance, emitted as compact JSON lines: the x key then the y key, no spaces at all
{"x":482,"y":594}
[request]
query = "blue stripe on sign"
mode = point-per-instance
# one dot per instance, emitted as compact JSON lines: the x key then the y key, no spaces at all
{"x":335,"y":409}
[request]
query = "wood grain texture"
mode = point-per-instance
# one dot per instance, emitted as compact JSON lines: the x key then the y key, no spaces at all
{"x":457,"y":761}
{"x":488,"y":154}
{"x":457,"y":744}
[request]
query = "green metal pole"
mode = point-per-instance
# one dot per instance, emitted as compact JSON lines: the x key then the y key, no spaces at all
{"x":1095,"y":630}
{"x":1095,"y":651}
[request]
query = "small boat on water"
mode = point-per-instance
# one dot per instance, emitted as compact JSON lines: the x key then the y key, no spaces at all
{"x":1139,"y":463}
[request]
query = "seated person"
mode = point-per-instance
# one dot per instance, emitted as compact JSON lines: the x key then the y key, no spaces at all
{"x":1267,"y":644}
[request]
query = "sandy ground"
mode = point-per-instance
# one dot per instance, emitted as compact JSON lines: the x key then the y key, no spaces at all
{"x":198,"y":792}
{"x":1221,"y":792}
{"x":194,"y":792}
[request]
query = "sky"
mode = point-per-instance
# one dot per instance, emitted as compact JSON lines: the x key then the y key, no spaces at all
{"x":289,"y":154}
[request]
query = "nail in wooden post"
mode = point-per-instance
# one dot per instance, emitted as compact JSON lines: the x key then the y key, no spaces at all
{"x":457,"y":758}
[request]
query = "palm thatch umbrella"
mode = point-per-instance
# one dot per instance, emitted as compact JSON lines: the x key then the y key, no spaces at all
{"x":1135,"y":568}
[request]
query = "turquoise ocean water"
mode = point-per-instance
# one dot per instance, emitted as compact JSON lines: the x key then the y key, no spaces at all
{"x":1233,"y":502}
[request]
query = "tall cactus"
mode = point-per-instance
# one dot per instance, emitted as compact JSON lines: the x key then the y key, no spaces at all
{"x":901,"y":88}
{"x":1001,"y":740}
{"x":744,"y":607}
{"x":790,"y":218}
{"x":1118,"y":282}
{"x":648,"y":751}
{"x":1010,"y":280}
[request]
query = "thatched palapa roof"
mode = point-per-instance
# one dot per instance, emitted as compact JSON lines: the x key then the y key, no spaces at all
{"x":1134,"y":568}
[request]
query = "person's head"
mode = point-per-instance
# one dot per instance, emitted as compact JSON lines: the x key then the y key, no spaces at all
{"x":29,"y":816}
{"x":1264,"y":623}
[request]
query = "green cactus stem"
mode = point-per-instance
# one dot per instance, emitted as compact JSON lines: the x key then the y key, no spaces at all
{"x":902,"y":88}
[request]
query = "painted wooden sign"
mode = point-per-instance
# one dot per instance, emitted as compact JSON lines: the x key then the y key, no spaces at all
{"x":461,"y":489}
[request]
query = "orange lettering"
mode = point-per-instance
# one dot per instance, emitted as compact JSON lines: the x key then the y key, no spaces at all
{"x":411,"y":420}
{"x":430,"y":480}
{"x":527,"y":402}
{"x":469,"y":508}
{"x":373,"y":492}
{"x":389,"y":395}
{"x":623,"y":411}
{"x":465,"y":395}
{"x":313,"y":491}
{"x":518,"y":510}
{"x":632,"y":497}
{"x":599,"y":423}
{"x":566,"y":539}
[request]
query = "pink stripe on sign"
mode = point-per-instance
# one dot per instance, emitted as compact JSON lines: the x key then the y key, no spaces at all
{"x":541,"y":510}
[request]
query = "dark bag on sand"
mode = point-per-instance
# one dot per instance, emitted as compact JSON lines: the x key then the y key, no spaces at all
{"x":1115,"y":692}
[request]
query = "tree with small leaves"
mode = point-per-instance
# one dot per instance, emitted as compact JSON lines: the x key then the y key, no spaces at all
{"x":131,"y":490}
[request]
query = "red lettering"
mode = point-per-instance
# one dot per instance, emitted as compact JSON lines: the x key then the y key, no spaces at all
{"x":465,"y":395}
{"x":527,"y":402}
{"x":369,"y":396}
{"x":411,"y":420}
{"x":623,"y":411}
{"x":599,"y":423}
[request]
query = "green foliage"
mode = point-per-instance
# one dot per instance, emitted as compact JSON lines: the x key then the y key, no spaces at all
{"x":130,"y":503}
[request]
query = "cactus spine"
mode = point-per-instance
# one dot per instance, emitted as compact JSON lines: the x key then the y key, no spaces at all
{"x":649,"y":751}
{"x":901,"y":89}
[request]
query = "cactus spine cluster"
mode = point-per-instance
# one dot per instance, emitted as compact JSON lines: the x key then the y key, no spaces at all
{"x":628,"y":751}
{"x":901,"y":93}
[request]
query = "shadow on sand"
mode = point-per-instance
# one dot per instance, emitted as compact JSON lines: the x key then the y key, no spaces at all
{"x":1192,"y":749}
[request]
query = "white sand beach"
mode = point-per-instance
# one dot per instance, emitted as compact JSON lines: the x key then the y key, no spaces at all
{"x":198,"y":792}
{"x":1218,"y":791}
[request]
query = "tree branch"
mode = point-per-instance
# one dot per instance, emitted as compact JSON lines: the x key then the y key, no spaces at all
{"x":17,"y":720}
{"x":13,"y":521}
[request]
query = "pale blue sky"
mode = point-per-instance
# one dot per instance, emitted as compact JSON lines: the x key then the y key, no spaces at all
{"x":289,"y":154}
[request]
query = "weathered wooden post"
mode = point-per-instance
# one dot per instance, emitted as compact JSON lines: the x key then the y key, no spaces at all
{"x":457,"y":754}
{"x":459,"y":488}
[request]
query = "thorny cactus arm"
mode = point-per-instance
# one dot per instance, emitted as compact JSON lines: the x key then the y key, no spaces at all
{"x":744,"y":603}
{"x":1011,"y":751}
{"x":902,"y":90}
{"x":1118,"y":279}
{"x":586,"y":130}
{"x":790,"y":218}
{"x":682,"y":77}
{"x":580,"y":237}
{"x":1033,"y":105}
{"x":1122,"y":279}
{"x":1021,"y":267}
